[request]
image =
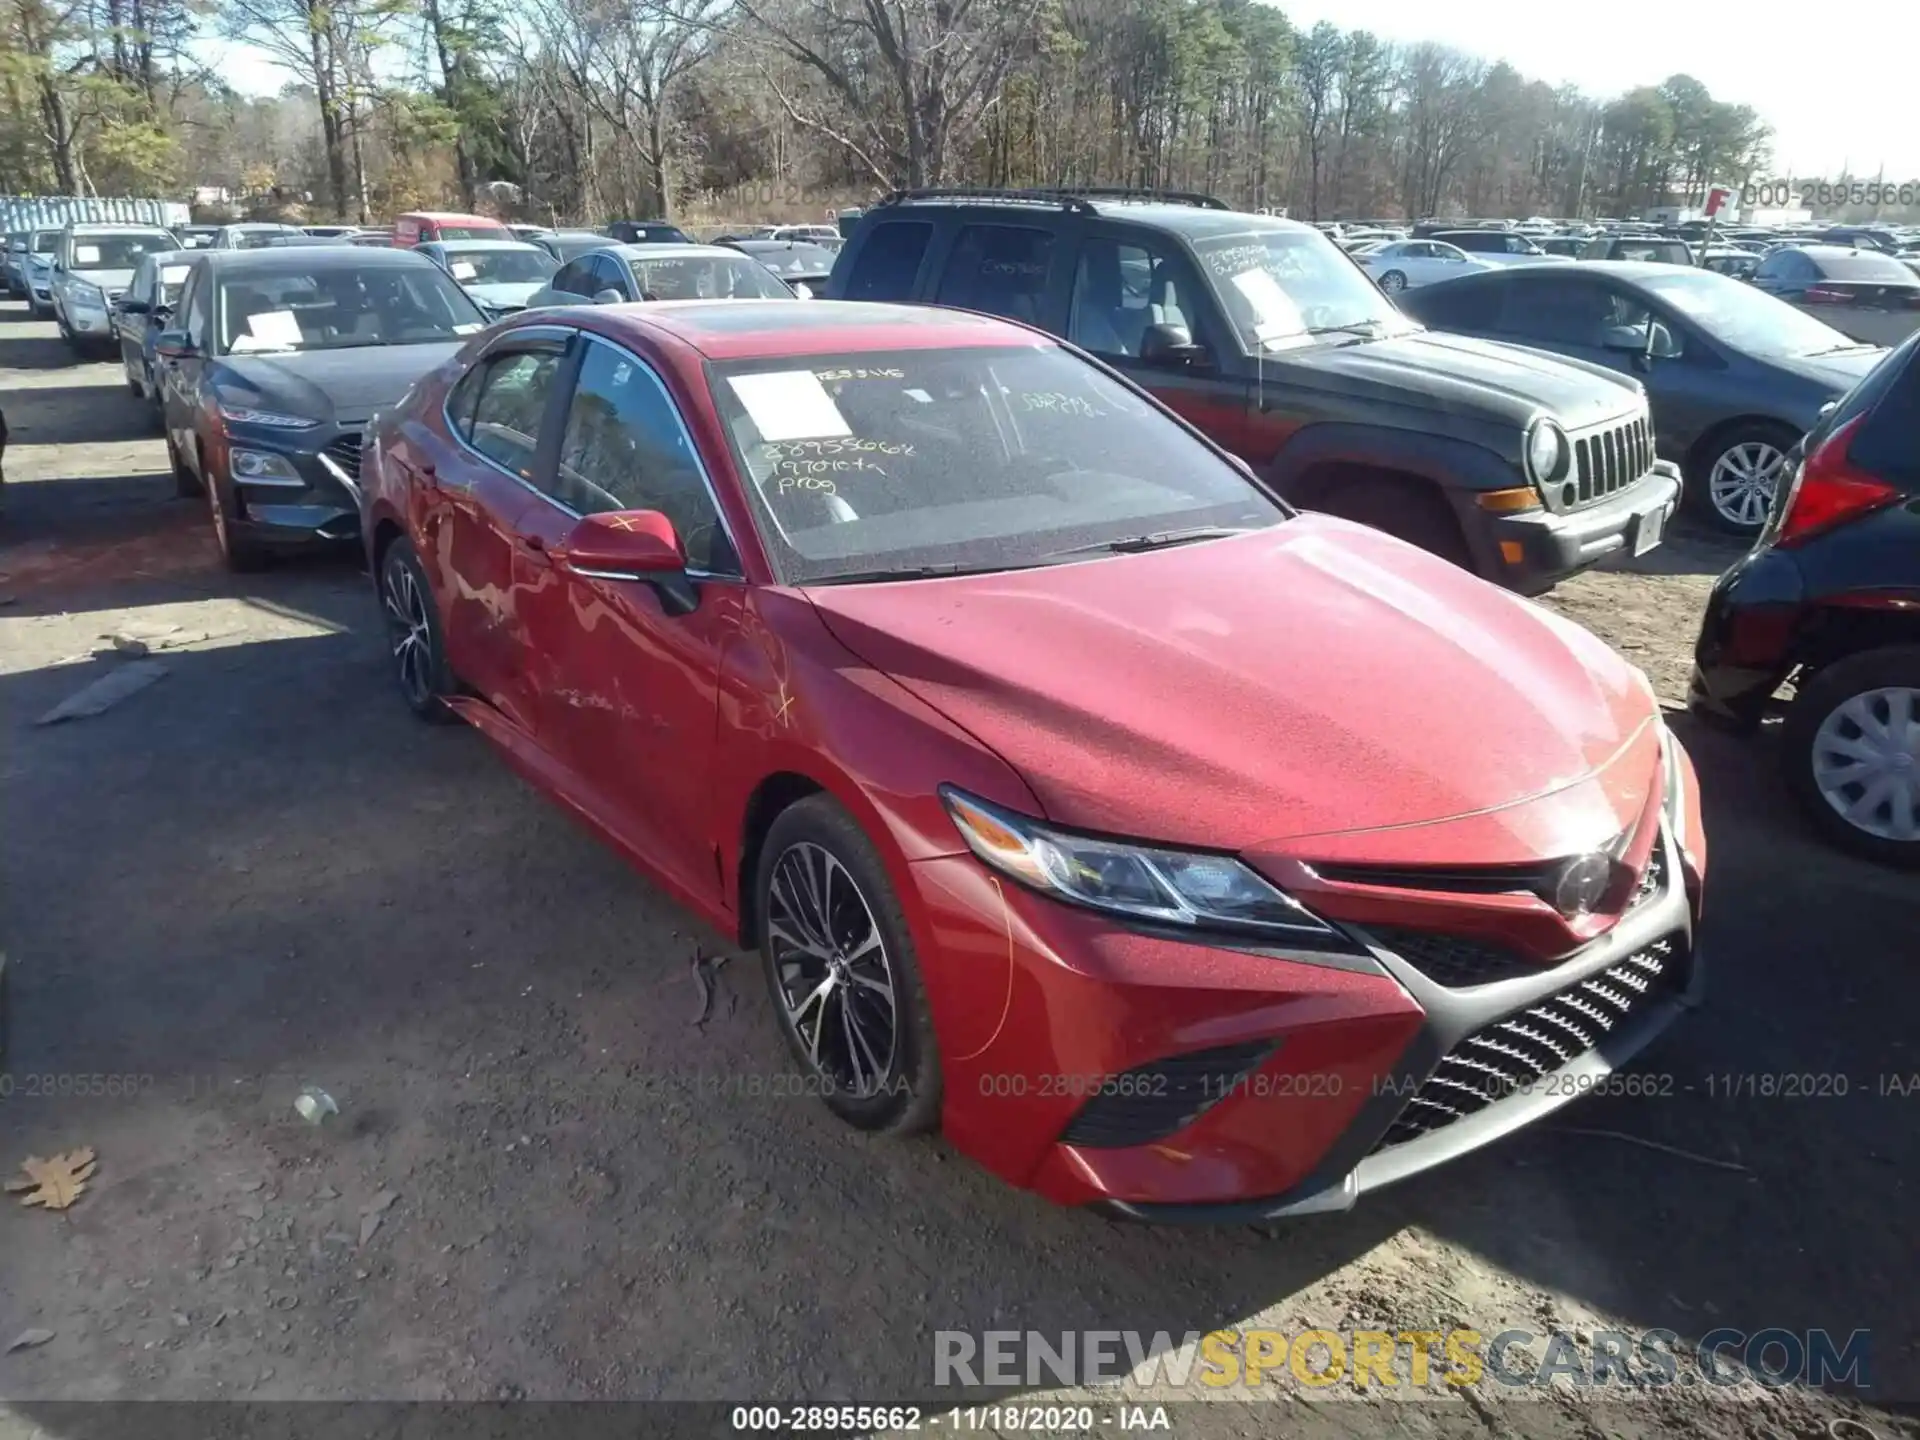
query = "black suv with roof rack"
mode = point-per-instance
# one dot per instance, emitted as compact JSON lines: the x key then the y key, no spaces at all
{"x":1262,"y":334}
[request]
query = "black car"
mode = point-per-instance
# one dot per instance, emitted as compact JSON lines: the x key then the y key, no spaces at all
{"x":1260,"y":332}
{"x":647,"y":232}
{"x":1645,"y":249}
{"x":1871,"y":296}
{"x":1734,"y":376}
{"x":797,"y":262}
{"x":279,"y":359}
{"x":565,"y":245}
{"x":1830,"y":600}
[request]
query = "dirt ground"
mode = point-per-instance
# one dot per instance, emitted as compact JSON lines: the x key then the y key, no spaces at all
{"x":260,"y":873}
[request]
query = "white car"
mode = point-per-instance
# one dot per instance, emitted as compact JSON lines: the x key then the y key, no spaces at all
{"x":1405,"y":263}
{"x":92,"y":267}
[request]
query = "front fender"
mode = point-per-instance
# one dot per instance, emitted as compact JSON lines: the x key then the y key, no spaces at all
{"x":1453,"y":464}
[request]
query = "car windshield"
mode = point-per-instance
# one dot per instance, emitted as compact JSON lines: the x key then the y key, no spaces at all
{"x":501,"y":267}
{"x":260,"y":239}
{"x":571,"y":246}
{"x":796,"y":258}
{"x":339,"y":307}
{"x":115,"y":252}
{"x":1285,"y":288}
{"x":1736,"y":314}
{"x":978,"y":459}
{"x":444,"y":231}
{"x":45,"y":241}
{"x":706,"y":277}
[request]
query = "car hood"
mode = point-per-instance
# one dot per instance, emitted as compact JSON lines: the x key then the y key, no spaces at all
{"x":505,"y":295}
{"x":1458,"y":373}
{"x":105,"y":279}
{"x":1316,"y":679}
{"x":344,"y":386}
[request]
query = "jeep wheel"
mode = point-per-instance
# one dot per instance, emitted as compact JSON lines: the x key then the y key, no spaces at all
{"x":1406,"y":509}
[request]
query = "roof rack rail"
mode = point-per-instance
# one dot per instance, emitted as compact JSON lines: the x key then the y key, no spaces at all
{"x":1069,"y":197}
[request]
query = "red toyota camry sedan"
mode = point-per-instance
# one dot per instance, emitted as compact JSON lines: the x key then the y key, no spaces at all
{"x":1175,"y":851}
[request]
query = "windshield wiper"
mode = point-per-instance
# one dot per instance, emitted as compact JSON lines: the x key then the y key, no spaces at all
{"x":1367,"y":328}
{"x":909,"y":572}
{"x":1159,"y":540}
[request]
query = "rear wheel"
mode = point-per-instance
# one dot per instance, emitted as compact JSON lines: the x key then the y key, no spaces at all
{"x":1852,"y":752}
{"x":1393,"y":282}
{"x":1735,"y":478}
{"x":1409,"y":510}
{"x":841,"y":968}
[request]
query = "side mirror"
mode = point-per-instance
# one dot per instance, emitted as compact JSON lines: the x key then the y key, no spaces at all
{"x":1828,"y":408}
{"x":173,"y":345}
{"x":633,"y":545}
{"x":1171,"y":346}
{"x":609,"y":296}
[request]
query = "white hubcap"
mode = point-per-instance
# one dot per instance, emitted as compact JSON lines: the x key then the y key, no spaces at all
{"x":1866,"y":761}
{"x":1743,"y":480}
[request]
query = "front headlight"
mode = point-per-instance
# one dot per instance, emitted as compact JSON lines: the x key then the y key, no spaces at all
{"x":1170,"y":887}
{"x":272,"y":419}
{"x":86,"y":297}
{"x":1547,"y":452}
{"x":262,"y":465}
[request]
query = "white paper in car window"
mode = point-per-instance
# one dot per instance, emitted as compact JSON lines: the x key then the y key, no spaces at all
{"x":469,"y":328}
{"x":173,"y":274}
{"x":789,"y":405}
{"x":463,"y":270}
{"x":1268,"y":300}
{"x":274,"y":327}
{"x":86,"y":254}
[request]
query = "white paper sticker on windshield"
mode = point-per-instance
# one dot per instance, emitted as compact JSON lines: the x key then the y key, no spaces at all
{"x":274,"y":327}
{"x":86,"y":254}
{"x":463,"y":270}
{"x":1264,"y":294}
{"x":789,"y":405}
{"x":470,"y":328}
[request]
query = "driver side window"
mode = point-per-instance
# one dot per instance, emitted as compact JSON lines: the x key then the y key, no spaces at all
{"x":507,"y":408}
{"x":1118,"y":291}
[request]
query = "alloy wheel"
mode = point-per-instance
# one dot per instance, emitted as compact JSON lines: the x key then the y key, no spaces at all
{"x":1866,"y":762}
{"x":835,"y":978}
{"x":410,"y":633}
{"x":1393,"y":282}
{"x":1742,"y":482}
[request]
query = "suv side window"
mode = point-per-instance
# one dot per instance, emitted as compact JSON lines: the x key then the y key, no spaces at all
{"x":626,"y":448}
{"x":889,"y":260}
{"x":1119,"y":289}
{"x":198,"y":307}
{"x":142,"y":286}
{"x":1001,"y":269}
{"x":507,"y":411}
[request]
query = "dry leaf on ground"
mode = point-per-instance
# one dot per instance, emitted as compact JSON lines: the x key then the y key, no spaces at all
{"x":56,"y":1183}
{"x":28,"y":1339}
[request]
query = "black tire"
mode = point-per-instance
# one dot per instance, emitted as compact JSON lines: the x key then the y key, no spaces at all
{"x":185,"y":483}
{"x":1394,"y":282}
{"x":905,"y":1100}
{"x":241,"y":555}
{"x":1409,"y":510}
{"x":1735,"y":445}
{"x":1895,"y":668}
{"x":408,"y":609}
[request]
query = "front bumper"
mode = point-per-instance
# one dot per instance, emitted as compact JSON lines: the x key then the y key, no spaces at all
{"x":1538,"y":548}
{"x":94,"y":324}
{"x":322,"y":507}
{"x":1041,"y":1007}
{"x":1749,"y":637}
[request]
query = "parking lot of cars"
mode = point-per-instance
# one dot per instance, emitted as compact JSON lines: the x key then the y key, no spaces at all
{"x":282,"y":884}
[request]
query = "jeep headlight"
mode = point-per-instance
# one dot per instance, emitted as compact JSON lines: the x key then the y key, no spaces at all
{"x":1547,"y":452}
{"x":1168,"y":887}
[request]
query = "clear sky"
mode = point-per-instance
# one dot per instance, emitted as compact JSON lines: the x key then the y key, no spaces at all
{"x":1846,"y":99}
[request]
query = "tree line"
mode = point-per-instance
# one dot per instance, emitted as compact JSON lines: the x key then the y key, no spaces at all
{"x":585,"y":110}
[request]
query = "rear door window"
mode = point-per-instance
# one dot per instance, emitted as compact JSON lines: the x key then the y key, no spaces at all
{"x":999,"y":269}
{"x":889,"y":261}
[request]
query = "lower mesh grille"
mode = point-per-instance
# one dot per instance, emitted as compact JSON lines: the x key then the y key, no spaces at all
{"x":346,"y":454}
{"x":1512,"y":1054}
{"x":1151,"y":1102}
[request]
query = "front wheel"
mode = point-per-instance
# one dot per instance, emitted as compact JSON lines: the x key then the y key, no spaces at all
{"x":1736,"y":482}
{"x":1852,"y":752}
{"x":241,"y":554}
{"x":1393,"y":282}
{"x":414,"y":636}
{"x":841,"y":968}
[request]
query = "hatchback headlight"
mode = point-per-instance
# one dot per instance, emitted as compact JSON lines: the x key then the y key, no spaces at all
{"x":1169,"y":887}
{"x":1547,"y":452}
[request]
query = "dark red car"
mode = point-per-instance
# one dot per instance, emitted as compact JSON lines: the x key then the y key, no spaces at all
{"x":1171,"y":849}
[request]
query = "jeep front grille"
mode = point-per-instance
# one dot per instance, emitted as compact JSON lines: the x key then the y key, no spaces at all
{"x":1607,"y":461}
{"x":1512,"y":1055}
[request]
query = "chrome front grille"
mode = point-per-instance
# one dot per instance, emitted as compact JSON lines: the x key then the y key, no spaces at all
{"x":345,"y":452}
{"x":1512,"y":1055}
{"x":1607,"y":461}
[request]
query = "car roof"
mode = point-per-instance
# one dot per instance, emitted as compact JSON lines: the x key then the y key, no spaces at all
{"x":772,"y":329}
{"x":1197,"y":222}
{"x":450,"y":215}
{"x":483,"y":245}
{"x":310,"y":257}
{"x":260,"y":225}
{"x":110,"y":227}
